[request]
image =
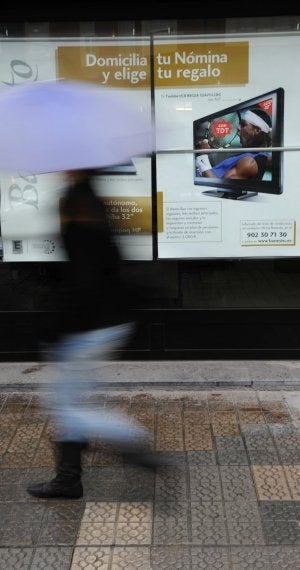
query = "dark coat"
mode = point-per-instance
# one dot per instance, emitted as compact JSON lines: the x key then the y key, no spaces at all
{"x":94,"y":293}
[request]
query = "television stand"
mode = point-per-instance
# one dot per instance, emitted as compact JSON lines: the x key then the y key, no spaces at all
{"x":230,"y":194}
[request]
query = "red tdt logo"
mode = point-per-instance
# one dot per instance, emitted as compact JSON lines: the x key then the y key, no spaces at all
{"x":221,"y":128}
{"x":266,"y":105}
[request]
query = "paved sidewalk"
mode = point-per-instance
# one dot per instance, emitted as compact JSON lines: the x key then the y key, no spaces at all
{"x":183,"y":374}
{"x":227,"y":497}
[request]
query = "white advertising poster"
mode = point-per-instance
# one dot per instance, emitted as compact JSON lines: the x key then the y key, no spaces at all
{"x":221,"y":190}
{"x":30,"y":222}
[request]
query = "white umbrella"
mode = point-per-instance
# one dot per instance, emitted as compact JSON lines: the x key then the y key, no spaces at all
{"x":53,"y":126}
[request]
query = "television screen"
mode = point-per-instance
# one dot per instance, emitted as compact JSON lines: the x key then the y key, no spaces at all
{"x":241,"y":135}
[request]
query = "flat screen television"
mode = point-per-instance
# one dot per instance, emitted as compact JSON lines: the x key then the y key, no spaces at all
{"x":253,"y":124}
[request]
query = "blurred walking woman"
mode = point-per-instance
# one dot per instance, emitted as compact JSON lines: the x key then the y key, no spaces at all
{"x":95,"y":320}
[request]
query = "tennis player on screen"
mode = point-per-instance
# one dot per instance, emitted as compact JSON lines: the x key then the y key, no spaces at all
{"x":254,"y":130}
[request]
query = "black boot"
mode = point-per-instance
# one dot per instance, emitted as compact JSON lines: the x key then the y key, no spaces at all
{"x":67,"y":482}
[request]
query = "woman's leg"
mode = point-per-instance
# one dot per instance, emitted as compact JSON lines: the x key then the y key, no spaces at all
{"x":75,"y":420}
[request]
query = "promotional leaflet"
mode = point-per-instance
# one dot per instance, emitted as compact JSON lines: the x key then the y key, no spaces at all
{"x":30,"y":222}
{"x":222,"y":189}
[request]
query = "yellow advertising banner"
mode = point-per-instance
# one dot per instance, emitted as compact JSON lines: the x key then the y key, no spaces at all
{"x":160,"y":211}
{"x":121,"y":66}
{"x":198,"y":64}
{"x":127,"y":214}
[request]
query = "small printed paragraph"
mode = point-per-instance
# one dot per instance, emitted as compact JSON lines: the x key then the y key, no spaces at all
{"x":268,"y":232}
{"x":192,"y":222}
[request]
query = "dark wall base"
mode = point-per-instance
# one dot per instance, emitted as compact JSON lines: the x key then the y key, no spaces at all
{"x":234,"y":334}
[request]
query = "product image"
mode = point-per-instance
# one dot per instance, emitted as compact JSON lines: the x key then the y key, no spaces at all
{"x":242,"y":135}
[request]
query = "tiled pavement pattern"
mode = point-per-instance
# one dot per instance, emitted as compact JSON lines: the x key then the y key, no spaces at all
{"x":226,"y":498}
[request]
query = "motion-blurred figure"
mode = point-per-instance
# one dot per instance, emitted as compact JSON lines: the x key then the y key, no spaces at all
{"x":95,"y":320}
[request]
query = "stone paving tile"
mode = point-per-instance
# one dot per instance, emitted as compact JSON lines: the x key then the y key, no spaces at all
{"x":11,"y":459}
{"x":273,"y":404}
{"x":287,"y":441}
{"x":284,"y":557}
{"x":16,"y":533}
{"x":44,"y":452}
{"x":201,"y":457}
{"x":117,"y":403}
{"x":11,"y":407}
{"x":231,"y":451}
{"x":99,"y":512}
{"x":195,"y":400}
{"x":259,"y":444}
{"x":170,"y":484}
{"x":219,"y":402}
{"x":292,"y":400}
{"x":44,"y":456}
{"x":34,"y":475}
{"x":52,"y":558}
{"x":12,"y":476}
{"x":135,"y":558}
{"x":134,"y":533}
{"x":90,"y":557}
{"x":193,"y":403}
{"x":6,"y":437}
{"x":170,"y":523}
{"x":9,"y":425}
{"x":227,"y":495}
{"x":144,"y":399}
{"x":22,"y":512}
{"x":172,"y":404}
{"x":256,"y":558}
{"x":16,"y":402}
{"x":244,"y":399}
{"x":135,"y":513}
{"x":224,"y":423}
{"x":205,"y":483}
{"x":117,"y":484}
{"x":237,"y":483}
{"x":139,"y":486}
{"x":144,"y":415}
{"x":196,"y":415}
{"x":15,"y":558}
{"x":208,"y":521}
{"x":209,"y":558}
{"x":197,"y":430}
{"x":99,"y":533}
{"x":244,"y":524}
{"x":23,"y":445}
{"x":178,"y":458}
{"x":280,"y":522}
{"x":3,"y":398}
{"x":11,"y":493}
{"x":277,"y":416}
{"x":169,"y":435}
{"x":251,"y":416}
{"x":271,"y":483}
{"x":292,"y":473}
{"x":60,"y":523}
{"x":170,"y":557}
{"x":104,"y":458}
{"x":197,"y":433}
{"x":134,"y":523}
{"x":10,"y":419}
{"x":272,"y":397}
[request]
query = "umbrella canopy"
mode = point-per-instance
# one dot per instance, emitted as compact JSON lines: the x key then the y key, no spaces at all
{"x":65,"y":125}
